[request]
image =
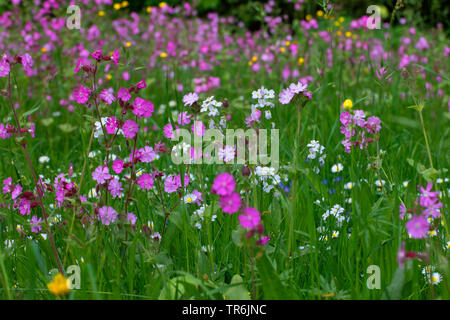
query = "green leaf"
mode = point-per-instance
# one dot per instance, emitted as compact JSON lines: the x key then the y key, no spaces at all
{"x":272,"y":286}
{"x":237,"y":292}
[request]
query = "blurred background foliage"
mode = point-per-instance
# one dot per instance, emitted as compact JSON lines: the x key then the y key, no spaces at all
{"x":420,"y":13}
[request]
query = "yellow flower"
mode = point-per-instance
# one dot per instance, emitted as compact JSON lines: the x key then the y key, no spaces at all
{"x":43,"y":49}
{"x":308,"y":17}
{"x":250,"y":63}
{"x":124,"y":4}
{"x":162,"y":4}
{"x":319,"y":13}
{"x":348,"y":34}
{"x":128,"y":44}
{"x":348,"y":104}
{"x":341,"y":19}
{"x":59,"y":286}
{"x":339,"y":33}
{"x":337,"y":23}
{"x":101,"y":13}
{"x":149,"y":9}
{"x":287,"y":43}
{"x":254,"y":58}
{"x":116,"y":6}
{"x":282,"y":49}
{"x":108,"y":76}
{"x":325,"y":16}
{"x":163,"y":55}
{"x":300,"y":61}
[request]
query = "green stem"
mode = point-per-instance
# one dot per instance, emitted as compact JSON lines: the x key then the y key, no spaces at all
{"x":426,"y":139}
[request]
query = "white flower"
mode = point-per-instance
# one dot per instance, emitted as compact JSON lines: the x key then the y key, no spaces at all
{"x":226,"y":154}
{"x":379,"y":183}
{"x":348,"y":185}
{"x":190,"y":198}
{"x":44,"y":159}
{"x":435,"y":278}
{"x":337,"y":168}
{"x":405,"y":183}
{"x":268,"y":115}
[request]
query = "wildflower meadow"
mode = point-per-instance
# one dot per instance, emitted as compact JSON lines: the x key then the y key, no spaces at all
{"x":165,"y":151}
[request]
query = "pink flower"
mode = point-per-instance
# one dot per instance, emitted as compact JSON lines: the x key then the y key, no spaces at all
{"x":145,"y":181}
{"x":24,"y":206}
{"x":172,"y":183}
{"x":4,"y":134}
{"x":81,"y":94}
{"x":190,"y":98}
{"x":115,"y":57}
{"x":27,"y":62}
{"x":107,"y":215}
{"x":223,"y":184}
{"x":168,"y":131}
{"x":130,"y":128}
{"x":35,"y":224}
{"x":16,"y":191}
{"x":141,"y":85}
{"x":132,"y":218}
{"x":402,"y":210}
{"x":250,"y":219}
{"x":115,"y":187}
{"x":97,"y":55}
{"x":263,"y":240}
{"x":198,"y":128}
{"x":123,"y":94}
{"x":184,"y":118}
{"x":286,"y":96}
{"x":433,"y":210}
{"x":373,"y":125}
{"x":117,"y":166}
{"x":147,"y":154}
{"x":111,"y":125}
{"x":101,"y":174}
{"x":142,"y":108}
{"x":417,"y":227}
{"x":107,"y":96}
{"x":4,"y":68}
{"x":359,"y":118}
{"x":427,"y":197}
{"x":7,"y":184}
{"x":345,"y":118}
{"x":230,"y":203}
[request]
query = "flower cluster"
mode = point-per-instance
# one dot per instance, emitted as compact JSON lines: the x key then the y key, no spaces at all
{"x":357,"y":130}
{"x":316,"y":151}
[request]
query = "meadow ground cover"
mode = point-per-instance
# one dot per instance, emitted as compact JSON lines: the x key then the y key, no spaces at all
{"x":351,"y":204}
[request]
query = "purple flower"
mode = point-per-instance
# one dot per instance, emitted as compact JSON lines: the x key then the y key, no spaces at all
{"x":147,"y":154}
{"x":4,"y":67}
{"x":35,"y":224}
{"x":250,"y":219}
{"x":373,"y":125}
{"x":402,"y":210}
{"x":142,"y":108}
{"x":115,"y":57}
{"x":417,"y":227}
{"x":184,"y":118}
{"x":145,"y":181}
{"x":230,"y":203}
{"x":286,"y":96}
{"x":115,"y":187}
{"x":107,"y":215}
{"x":223,"y":184}
{"x":132,"y":218}
{"x":107,"y":96}
{"x":130,"y":128}
{"x":190,"y":98}
{"x":81,"y":94}
{"x":123,"y":94}
{"x":101,"y":174}
{"x":433,"y":210}
{"x":427,"y":197}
